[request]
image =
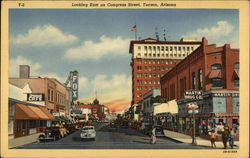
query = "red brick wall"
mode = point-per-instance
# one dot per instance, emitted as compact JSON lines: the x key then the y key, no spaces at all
{"x":202,"y":58}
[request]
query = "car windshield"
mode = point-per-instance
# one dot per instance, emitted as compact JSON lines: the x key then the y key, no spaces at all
{"x":88,"y":128}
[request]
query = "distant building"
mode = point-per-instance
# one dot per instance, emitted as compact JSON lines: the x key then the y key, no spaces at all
{"x":151,"y":59}
{"x":96,"y":110}
{"x":47,"y":92}
{"x":212,"y":70}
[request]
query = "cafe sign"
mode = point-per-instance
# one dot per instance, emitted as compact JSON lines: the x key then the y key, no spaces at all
{"x":35,"y":97}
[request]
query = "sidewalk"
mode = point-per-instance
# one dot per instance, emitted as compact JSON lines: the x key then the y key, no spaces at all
{"x":202,"y":142}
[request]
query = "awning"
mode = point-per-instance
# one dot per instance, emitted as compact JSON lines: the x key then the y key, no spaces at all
{"x":23,"y":112}
{"x":237,"y":73}
{"x":215,"y":74}
{"x":61,"y":118}
{"x":39,"y":113}
{"x":51,"y":117}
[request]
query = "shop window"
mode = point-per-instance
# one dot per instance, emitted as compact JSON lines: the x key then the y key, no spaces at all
{"x":32,"y":123}
{"x":235,"y":102}
{"x":166,"y":48}
{"x":219,"y":105}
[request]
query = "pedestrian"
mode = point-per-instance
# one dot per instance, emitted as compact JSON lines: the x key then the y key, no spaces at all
{"x":231,"y":137}
{"x":225,"y":136}
{"x":213,"y":138}
{"x":153,"y":137}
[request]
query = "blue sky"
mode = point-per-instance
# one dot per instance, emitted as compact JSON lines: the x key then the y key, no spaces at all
{"x":95,"y":42}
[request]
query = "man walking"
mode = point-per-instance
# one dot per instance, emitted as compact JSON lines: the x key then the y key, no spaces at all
{"x":231,"y":137}
{"x":225,"y":136}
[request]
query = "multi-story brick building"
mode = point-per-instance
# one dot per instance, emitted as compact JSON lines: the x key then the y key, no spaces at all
{"x":215,"y":72}
{"x":151,"y":59}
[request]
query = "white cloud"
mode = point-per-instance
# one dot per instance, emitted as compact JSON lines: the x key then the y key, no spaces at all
{"x":45,"y":35}
{"x":116,"y":87}
{"x":92,"y":50}
{"x":20,"y":60}
{"x":218,"y":34}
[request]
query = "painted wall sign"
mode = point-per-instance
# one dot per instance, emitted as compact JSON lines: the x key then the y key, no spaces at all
{"x":35,"y":97}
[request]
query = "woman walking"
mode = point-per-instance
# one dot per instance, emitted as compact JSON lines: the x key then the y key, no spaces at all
{"x":153,"y":137}
{"x":212,"y":138}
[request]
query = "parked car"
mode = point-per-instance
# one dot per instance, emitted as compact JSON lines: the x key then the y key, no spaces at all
{"x":159,"y":131}
{"x":50,"y":133}
{"x":88,"y":132}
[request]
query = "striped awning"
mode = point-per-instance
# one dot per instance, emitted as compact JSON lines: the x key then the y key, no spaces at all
{"x":215,"y":74}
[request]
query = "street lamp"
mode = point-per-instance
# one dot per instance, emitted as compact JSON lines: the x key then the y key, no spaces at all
{"x":193,"y":109}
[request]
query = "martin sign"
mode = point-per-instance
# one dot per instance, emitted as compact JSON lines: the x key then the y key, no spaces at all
{"x":193,"y":94}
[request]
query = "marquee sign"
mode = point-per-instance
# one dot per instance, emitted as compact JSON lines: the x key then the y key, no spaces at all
{"x":75,"y":85}
{"x":35,"y":97}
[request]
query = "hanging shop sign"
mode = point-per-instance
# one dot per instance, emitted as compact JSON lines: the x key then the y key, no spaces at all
{"x":192,"y":107}
{"x":193,"y":94}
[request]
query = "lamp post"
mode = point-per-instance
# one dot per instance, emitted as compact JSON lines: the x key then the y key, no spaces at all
{"x":193,"y":109}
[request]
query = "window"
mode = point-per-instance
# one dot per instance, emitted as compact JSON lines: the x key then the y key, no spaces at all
{"x":171,"y":62}
{"x":167,"y":62}
{"x":183,"y":54}
{"x":166,"y":48}
{"x":175,"y":48}
{"x":167,"y":54}
{"x":145,"y":54}
{"x":145,"y":47}
{"x":171,"y":48}
{"x":139,"y":61}
{"x":192,"y":48}
{"x":50,"y":94}
{"x":200,"y":79}
{"x":216,"y":82}
{"x":162,"y":48}
{"x":237,"y":66}
{"x":146,"y":75}
{"x":139,"y":54}
{"x":179,"y":48}
{"x":139,"y":68}
{"x":216,"y":66}
{"x":184,"y":48}
{"x":153,"y":62}
{"x":193,"y":80}
{"x":158,"y":48}
{"x":158,"y":55}
{"x":139,"y":47}
{"x":187,"y":48}
{"x":32,"y":123}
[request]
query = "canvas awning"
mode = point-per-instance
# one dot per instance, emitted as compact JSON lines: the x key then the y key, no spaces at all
{"x":39,"y":113}
{"x":23,"y":112}
{"x":237,"y":73}
{"x":169,"y":107}
{"x":51,"y":117}
{"x":215,"y":74}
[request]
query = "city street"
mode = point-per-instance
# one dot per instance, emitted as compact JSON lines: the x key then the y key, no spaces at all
{"x":111,"y":138}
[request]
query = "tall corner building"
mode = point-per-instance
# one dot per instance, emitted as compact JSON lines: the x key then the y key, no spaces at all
{"x":151,"y":59}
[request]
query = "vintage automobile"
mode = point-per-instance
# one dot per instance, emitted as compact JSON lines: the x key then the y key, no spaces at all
{"x":88,"y":132}
{"x":50,"y":133}
{"x":159,"y":131}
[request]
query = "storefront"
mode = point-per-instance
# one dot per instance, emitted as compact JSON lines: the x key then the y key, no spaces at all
{"x":26,"y":119}
{"x":216,"y":107}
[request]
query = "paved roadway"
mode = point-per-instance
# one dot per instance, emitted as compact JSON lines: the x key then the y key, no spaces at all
{"x":110,"y":138}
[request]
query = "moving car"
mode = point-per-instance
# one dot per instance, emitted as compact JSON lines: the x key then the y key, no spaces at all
{"x":88,"y":132}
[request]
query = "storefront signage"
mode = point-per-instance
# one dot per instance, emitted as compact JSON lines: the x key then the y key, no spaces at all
{"x":225,"y":94}
{"x":193,"y":94}
{"x":75,"y":85}
{"x":35,"y":97}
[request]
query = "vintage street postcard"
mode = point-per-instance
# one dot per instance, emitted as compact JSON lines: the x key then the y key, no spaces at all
{"x":125,"y":79}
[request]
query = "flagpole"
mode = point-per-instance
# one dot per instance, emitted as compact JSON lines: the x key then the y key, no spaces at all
{"x":135,"y":32}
